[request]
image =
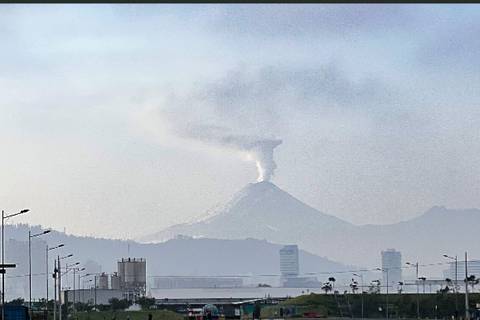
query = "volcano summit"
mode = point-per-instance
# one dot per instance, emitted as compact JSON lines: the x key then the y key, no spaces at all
{"x":263,"y":211}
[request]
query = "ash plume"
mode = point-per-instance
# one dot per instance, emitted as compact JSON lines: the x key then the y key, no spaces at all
{"x":258,"y":149}
{"x":262,"y":152}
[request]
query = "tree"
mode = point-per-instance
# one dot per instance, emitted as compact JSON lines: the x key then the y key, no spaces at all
{"x":473,"y":281}
{"x":146,"y":303}
{"x":16,"y":302}
{"x":327,"y":287}
{"x":374,"y":287}
{"x":117,"y":304}
{"x":354,"y":285}
{"x":332,"y":281}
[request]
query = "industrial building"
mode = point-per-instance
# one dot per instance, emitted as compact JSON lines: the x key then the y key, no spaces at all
{"x":392,"y":268}
{"x":92,"y":296}
{"x":132,"y":274}
{"x":472,"y":266}
{"x":129,"y":282}
{"x":196,"y":282}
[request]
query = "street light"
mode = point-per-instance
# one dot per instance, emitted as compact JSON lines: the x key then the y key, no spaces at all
{"x":30,"y":236}
{"x":5,"y":217}
{"x":386,"y":297}
{"x":361,"y":277}
{"x":59,"y":275}
{"x":74,"y":268}
{"x":95,"y":288}
{"x":46,"y":273}
{"x":416,"y":277}
{"x":456,"y":281}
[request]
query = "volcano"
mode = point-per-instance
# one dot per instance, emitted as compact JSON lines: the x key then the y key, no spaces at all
{"x":262,"y":211}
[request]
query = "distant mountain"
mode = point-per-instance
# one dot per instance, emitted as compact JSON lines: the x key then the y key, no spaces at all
{"x":264,"y":211}
{"x":181,"y":256}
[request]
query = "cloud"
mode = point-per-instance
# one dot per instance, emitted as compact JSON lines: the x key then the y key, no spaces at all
{"x":250,"y":109}
{"x":282,"y":20}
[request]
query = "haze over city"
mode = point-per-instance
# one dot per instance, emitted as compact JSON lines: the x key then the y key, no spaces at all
{"x":239,"y":161}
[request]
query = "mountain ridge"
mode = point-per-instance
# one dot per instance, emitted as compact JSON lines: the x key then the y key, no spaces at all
{"x":264,"y":211}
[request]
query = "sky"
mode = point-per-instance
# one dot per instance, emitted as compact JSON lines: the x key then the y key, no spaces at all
{"x":113,"y":116}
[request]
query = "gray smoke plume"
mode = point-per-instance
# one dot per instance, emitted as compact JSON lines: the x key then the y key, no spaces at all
{"x":259,"y":149}
{"x":262,"y":151}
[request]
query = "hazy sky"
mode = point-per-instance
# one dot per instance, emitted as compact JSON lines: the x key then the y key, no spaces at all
{"x":378,"y":107}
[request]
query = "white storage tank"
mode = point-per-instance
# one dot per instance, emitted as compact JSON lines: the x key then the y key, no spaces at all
{"x":102,"y":281}
{"x":115,"y":281}
{"x":133,"y":275}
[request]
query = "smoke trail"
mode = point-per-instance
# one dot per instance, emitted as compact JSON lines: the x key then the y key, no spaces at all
{"x":259,"y":149}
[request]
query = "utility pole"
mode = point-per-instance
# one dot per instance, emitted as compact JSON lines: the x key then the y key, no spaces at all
{"x":55,"y":290}
{"x":418,"y":294}
{"x":467,"y":312}
{"x":59,"y":289}
{"x":387,"y":291}
{"x":5,"y":217}
{"x":46,"y":276}
{"x":29,"y":273}
{"x":361,"y":277}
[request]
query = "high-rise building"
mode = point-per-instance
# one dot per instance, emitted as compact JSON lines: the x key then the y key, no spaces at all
{"x":392,"y":264}
{"x":289,"y":261}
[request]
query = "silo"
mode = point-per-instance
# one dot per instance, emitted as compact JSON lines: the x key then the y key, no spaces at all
{"x":103,"y":281}
{"x":133,"y":275}
{"x":121,"y":272}
{"x":130,"y":275}
{"x":141,"y":272}
{"x":115,"y":281}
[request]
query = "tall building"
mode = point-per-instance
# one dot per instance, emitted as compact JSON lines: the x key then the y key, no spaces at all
{"x":392,"y":263}
{"x":289,"y":261}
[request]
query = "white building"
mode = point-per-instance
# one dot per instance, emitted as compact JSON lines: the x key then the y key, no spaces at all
{"x":289,"y":266}
{"x":392,"y":263}
{"x":472,"y":266}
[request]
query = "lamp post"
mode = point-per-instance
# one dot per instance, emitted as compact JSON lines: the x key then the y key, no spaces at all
{"x":456,"y":281}
{"x":361,"y":277}
{"x":30,"y":236}
{"x":87,"y":281}
{"x":5,"y":217}
{"x":386,"y":296}
{"x":467,"y":311}
{"x":74,"y":291}
{"x":94,"y":288}
{"x":46,"y":273}
{"x":82,"y":287}
{"x":59,"y":276}
{"x":73,"y":267}
{"x":418,"y":294}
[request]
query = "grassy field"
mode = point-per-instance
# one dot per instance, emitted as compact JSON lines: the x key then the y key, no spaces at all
{"x":129,"y":315}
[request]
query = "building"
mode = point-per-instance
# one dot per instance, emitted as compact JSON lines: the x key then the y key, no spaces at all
{"x":392,"y":268}
{"x":290,"y":270}
{"x":289,"y":266}
{"x":102,"y":281}
{"x":133,"y":277}
{"x":301,"y":282}
{"x":472,"y":266}
{"x":92,"y":296}
{"x":197,"y":282}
